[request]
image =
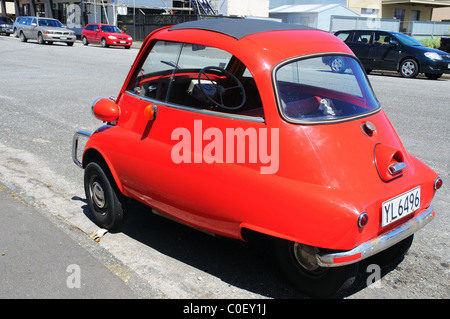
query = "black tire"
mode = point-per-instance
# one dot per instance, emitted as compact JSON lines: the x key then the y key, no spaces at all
{"x":392,"y":255}
{"x":22,"y":37}
{"x":104,"y":43}
{"x":318,"y":283}
{"x":70,"y":44}
{"x":106,"y":203}
{"x":40,"y":38}
{"x":85,"y":41}
{"x":409,"y":68}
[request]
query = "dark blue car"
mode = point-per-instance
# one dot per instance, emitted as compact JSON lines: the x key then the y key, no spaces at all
{"x":387,"y":50}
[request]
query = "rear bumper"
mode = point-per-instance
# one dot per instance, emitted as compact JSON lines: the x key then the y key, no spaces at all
{"x":378,"y":244}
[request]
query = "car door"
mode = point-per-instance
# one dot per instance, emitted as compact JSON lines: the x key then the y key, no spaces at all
{"x":177,"y":162}
{"x":31,"y":29}
{"x":383,"y":51}
{"x":360,"y":45}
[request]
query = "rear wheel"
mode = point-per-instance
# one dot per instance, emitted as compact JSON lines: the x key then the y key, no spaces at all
{"x":298,"y":263}
{"x":106,"y":203}
{"x":433,"y":76}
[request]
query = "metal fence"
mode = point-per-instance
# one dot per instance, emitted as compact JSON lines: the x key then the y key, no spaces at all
{"x":417,"y":29}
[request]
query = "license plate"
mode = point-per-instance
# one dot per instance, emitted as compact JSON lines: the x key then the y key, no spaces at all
{"x":400,"y":206}
{"x":63,"y":38}
{"x":123,"y":41}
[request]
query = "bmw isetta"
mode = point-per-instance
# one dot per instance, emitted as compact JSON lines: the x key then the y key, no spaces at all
{"x":248,"y":129}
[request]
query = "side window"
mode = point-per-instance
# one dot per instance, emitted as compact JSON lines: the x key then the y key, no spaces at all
{"x":344,"y":36}
{"x":362,"y":37}
{"x":197,"y":77}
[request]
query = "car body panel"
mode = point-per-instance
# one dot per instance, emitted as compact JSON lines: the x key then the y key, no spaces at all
{"x":327,"y":175}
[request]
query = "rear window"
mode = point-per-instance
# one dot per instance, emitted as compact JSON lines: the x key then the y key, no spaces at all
{"x":323,"y":89}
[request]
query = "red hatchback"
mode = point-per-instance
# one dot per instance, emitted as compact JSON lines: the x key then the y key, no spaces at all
{"x":106,"y":35}
{"x":255,"y":129}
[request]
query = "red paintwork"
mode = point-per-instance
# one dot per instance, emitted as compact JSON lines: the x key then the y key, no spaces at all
{"x":96,"y":37}
{"x":327,"y":173}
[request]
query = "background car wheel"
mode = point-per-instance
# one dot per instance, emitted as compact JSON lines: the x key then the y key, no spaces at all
{"x":409,"y":68}
{"x":106,"y":203}
{"x":314,"y":281}
{"x":85,"y":41}
{"x":22,"y":37}
{"x":104,"y":44}
{"x":40,"y":38}
{"x":70,"y":44}
{"x":338,"y":65}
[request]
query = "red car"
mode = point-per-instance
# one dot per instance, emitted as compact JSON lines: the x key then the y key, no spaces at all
{"x":106,"y":35}
{"x":246,"y":129}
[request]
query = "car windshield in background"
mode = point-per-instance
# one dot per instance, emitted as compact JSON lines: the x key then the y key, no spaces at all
{"x":323,"y":88}
{"x":407,"y":40}
{"x":50,"y":23}
{"x":6,"y":20}
{"x":110,"y":28}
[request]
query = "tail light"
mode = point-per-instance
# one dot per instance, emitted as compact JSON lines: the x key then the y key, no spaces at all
{"x":438,"y":183}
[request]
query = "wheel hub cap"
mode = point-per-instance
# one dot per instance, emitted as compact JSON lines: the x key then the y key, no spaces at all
{"x":98,"y":195}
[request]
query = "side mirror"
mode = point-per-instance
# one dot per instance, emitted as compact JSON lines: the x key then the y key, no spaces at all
{"x":106,"y":110}
{"x":393,"y":42}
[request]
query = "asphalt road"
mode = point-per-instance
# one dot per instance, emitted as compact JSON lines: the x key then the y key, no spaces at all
{"x":46,"y":92}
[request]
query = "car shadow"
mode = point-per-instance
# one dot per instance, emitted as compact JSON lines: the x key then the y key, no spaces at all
{"x":236,"y":263}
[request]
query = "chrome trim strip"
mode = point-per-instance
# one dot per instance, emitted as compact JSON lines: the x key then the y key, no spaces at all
{"x":76,"y":136}
{"x":380,"y":243}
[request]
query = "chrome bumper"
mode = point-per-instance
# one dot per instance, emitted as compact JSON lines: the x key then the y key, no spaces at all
{"x":76,"y":137}
{"x":378,"y":244}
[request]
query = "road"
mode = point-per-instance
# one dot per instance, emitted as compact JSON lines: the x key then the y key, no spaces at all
{"x":46,"y":92}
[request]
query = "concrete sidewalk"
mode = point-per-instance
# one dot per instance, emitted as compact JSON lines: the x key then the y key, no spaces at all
{"x":41,"y":257}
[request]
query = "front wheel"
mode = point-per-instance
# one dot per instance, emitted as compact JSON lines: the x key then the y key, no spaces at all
{"x":297,"y":262}
{"x":106,"y":203}
{"x":409,"y":68}
{"x":104,"y":43}
{"x":22,"y":37}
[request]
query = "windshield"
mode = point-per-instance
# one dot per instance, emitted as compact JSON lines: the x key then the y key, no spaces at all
{"x":110,"y":28}
{"x":50,"y":23}
{"x":323,"y":89}
{"x":5,"y":20}
{"x":407,"y":40}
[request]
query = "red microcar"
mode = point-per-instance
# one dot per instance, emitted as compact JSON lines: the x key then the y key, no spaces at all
{"x":106,"y":35}
{"x":258,"y":129}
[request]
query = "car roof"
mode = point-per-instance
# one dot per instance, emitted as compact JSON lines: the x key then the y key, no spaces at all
{"x":238,"y":28}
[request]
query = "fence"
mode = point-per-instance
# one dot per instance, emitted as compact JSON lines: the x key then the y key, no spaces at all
{"x":416,"y":29}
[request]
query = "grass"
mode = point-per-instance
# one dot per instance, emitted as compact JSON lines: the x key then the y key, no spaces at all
{"x":431,"y":42}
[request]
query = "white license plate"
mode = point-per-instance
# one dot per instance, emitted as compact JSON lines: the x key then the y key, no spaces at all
{"x":400,"y":206}
{"x":63,"y":38}
{"x":123,"y":41}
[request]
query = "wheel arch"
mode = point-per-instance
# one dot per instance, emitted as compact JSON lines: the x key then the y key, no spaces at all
{"x":405,"y":58}
{"x":94,"y":155}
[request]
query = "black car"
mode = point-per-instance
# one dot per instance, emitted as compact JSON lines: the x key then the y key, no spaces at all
{"x":387,"y":50}
{"x":445,"y":44}
{"x":6,"y":25}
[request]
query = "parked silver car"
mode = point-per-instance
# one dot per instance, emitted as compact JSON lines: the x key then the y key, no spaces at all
{"x":45,"y":30}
